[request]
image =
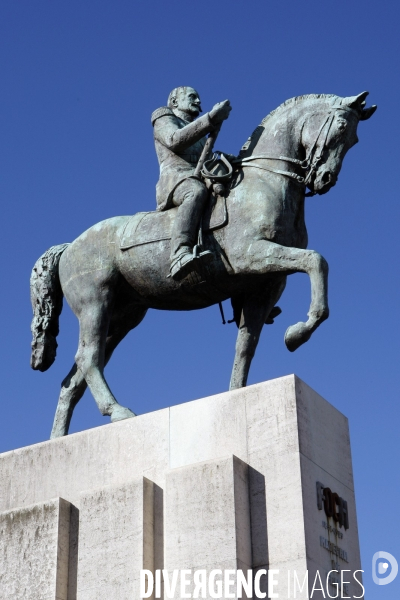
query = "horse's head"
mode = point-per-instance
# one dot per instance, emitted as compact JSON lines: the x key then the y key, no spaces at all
{"x":326,"y":137}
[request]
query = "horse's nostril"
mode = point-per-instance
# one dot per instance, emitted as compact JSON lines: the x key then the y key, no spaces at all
{"x":326,"y":177}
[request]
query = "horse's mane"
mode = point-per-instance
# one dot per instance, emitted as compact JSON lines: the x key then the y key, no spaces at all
{"x":255,"y":136}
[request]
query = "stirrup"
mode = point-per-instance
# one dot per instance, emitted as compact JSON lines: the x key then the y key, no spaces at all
{"x":188,"y":262}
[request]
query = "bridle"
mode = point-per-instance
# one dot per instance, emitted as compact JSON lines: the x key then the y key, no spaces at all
{"x":309,"y":164}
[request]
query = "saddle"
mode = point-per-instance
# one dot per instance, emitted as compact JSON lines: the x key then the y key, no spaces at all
{"x":155,"y":226}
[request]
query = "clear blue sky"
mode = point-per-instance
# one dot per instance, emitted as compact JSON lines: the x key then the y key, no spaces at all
{"x":79,"y":81}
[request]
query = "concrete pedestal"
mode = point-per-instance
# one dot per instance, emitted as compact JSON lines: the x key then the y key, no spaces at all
{"x":34,"y":551}
{"x":117,"y":538}
{"x":258,"y":478}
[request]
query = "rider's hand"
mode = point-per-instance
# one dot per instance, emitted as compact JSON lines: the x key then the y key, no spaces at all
{"x":220,"y":112}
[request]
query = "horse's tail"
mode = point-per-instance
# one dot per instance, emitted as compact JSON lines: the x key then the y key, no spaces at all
{"x":47,"y":299}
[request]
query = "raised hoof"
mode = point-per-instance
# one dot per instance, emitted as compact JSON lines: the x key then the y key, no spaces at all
{"x":119,"y":413}
{"x":296,"y":335}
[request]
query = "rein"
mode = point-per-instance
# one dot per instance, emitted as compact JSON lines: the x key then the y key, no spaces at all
{"x":309,"y":164}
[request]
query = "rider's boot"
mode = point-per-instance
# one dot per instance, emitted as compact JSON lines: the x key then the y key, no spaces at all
{"x":186,"y":262}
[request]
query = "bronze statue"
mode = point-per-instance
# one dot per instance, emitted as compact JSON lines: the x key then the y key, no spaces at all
{"x":179,"y":141}
{"x":118,"y":269}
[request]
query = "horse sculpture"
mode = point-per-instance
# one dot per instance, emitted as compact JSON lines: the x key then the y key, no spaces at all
{"x":263,"y":240}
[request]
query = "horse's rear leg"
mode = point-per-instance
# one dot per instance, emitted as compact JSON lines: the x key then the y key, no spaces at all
{"x":90,"y":359}
{"x":72,"y":389}
{"x":74,"y":385}
{"x":255,"y":311}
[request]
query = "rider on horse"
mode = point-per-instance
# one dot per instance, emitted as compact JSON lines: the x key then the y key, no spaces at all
{"x":179,"y":141}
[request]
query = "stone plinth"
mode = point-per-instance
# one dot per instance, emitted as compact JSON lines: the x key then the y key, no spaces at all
{"x":117,"y":538}
{"x":34,"y":551}
{"x":207,"y":517}
{"x":225,"y":480}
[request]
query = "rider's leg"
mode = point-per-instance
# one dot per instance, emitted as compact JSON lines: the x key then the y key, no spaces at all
{"x":190,"y":196}
{"x":268,"y":257}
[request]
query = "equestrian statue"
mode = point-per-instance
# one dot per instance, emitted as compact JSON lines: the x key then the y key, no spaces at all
{"x":225,"y":227}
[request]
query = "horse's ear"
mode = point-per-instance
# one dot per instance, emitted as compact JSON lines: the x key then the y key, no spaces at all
{"x":358,"y":103}
{"x":368,"y":112}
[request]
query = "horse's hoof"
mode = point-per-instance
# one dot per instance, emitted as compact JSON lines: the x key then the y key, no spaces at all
{"x":119,"y":413}
{"x":296,"y":335}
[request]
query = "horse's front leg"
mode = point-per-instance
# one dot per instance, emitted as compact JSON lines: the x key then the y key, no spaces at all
{"x":255,"y":311}
{"x":264,"y":256}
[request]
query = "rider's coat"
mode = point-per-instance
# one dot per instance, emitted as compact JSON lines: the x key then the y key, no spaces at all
{"x":178,"y":145}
